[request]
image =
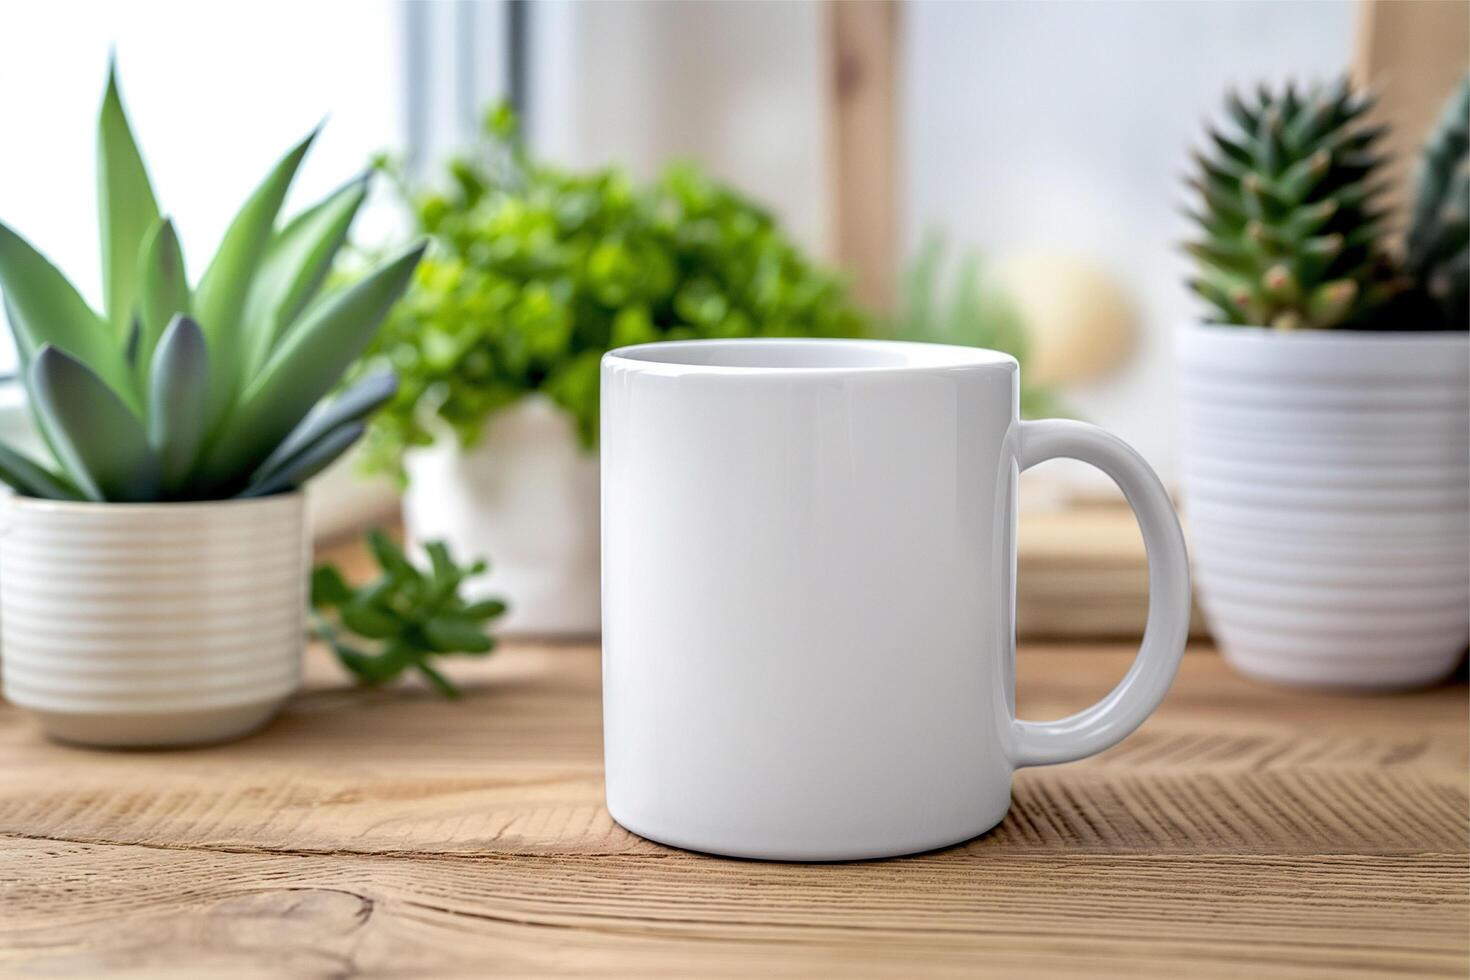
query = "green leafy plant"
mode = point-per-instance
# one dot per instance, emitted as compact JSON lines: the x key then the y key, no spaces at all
{"x":1289,"y":235}
{"x":180,"y":392}
{"x":536,"y":271}
{"x":973,"y":313}
{"x":1437,"y":253}
{"x":408,"y":615}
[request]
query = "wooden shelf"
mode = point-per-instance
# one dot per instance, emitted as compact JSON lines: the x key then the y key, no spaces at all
{"x":1081,"y":574}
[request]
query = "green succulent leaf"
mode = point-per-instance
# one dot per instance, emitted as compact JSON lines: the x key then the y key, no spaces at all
{"x":1244,"y":116}
{"x":485,"y":609}
{"x":26,"y":476}
{"x":1229,"y":149}
{"x":178,"y":395}
{"x":1217,"y":296}
{"x":294,"y":268}
{"x":220,"y":298}
{"x":1329,"y":302}
{"x":441,"y":682}
{"x":163,"y":291}
{"x":366,"y":668}
{"x":446,"y":575}
{"x":1280,"y":284}
{"x":127,"y":209}
{"x":307,"y":463}
{"x":100,"y":441}
{"x":391,"y":557}
{"x":369,"y":621}
{"x":328,"y":587}
{"x":43,"y":308}
{"x":305,"y":367}
{"x":130,"y":345}
{"x":456,"y":634}
{"x":360,"y":400}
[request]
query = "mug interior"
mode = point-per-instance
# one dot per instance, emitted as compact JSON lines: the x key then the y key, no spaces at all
{"x":808,"y":354}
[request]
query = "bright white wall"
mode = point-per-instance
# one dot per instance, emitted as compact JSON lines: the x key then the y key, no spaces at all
{"x":1067,"y":125}
{"x":217,"y":92}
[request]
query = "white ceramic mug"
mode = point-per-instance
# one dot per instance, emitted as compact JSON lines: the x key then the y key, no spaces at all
{"x":809,"y":552}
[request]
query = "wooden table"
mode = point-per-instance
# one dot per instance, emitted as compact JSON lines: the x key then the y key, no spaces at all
{"x":1244,"y":830}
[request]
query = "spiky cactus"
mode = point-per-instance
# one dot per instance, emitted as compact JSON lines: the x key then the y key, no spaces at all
{"x":1289,"y":236}
{"x":1437,"y":253}
{"x":176,"y":392}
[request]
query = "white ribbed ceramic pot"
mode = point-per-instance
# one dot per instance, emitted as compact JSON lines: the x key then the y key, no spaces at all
{"x":152,"y":624}
{"x":1327,"y":480}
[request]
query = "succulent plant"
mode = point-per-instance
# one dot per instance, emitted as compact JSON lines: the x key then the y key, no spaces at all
{"x":175,"y":392}
{"x":1437,"y":252}
{"x":1289,"y":234}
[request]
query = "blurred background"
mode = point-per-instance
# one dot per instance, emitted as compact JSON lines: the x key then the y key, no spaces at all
{"x":1033,"y":153}
{"x":1051,"y":137}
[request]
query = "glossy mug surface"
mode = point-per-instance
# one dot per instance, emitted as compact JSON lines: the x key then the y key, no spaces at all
{"x":809,"y":552}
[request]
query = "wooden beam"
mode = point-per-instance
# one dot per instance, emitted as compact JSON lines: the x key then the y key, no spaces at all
{"x":862,"y":80}
{"x":1412,"y":52}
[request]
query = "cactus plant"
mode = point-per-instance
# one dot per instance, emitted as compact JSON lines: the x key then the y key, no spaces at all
{"x":1437,"y":253}
{"x":1289,"y":234}
{"x":175,"y":392}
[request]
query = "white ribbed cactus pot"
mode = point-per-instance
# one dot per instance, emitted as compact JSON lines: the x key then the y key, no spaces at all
{"x":152,"y":624}
{"x":1327,"y":479}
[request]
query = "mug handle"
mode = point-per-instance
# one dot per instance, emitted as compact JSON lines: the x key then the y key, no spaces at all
{"x":1044,"y":743}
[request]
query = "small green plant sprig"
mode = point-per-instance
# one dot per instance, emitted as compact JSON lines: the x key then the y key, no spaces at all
{"x":536,"y":271}
{"x":407,"y":615}
{"x":194,"y":391}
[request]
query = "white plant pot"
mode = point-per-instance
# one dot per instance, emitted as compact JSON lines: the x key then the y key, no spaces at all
{"x":152,"y":624}
{"x":525,"y":498}
{"x":1327,"y":479}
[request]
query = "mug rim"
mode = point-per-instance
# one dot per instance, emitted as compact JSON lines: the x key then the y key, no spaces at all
{"x":789,"y":356}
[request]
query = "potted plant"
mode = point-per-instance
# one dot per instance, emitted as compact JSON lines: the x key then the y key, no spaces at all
{"x":534,"y":273}
{"x":153,"y":582}
{"x":1325,"y":406}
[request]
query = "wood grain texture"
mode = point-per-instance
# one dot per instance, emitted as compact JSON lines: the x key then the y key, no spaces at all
{"x":1243,"y":831}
